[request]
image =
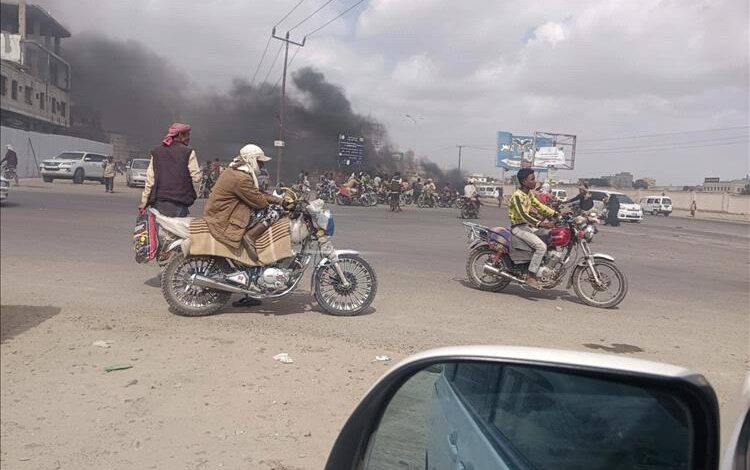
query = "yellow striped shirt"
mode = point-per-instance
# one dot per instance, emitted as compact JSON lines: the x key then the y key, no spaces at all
{"x":519,"y":209}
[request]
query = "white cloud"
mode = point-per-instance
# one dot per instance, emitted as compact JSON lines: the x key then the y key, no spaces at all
{"x":470,"y":68}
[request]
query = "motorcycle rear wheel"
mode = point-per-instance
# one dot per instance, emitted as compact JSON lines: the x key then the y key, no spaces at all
{"x":186,"y":299}
{"x":338,"y":300}
{"x":608,"y":272}
{"x":475,"y":271}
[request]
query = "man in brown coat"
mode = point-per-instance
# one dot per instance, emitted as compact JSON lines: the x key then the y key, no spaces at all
{"x":234,"y":199}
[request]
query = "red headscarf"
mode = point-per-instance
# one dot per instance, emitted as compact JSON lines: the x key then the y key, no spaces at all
{"x":174,"y":129}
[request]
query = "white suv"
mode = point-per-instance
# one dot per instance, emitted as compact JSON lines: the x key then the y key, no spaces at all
{"x":78,"y":166}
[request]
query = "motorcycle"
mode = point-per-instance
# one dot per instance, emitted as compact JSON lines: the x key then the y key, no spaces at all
{"x":426,"y":200}
{"x":406,"y":198}
{"x":446,"y":200}
{"x":327,"y":192}
{"x":364,"y":197}
{"x":469,"y":208}
{"x":497,"y":258}
{"x":343,"y":283}
{"x":8,"y":172}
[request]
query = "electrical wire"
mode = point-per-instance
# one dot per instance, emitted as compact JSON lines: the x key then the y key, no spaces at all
{"x":288,"y":13}
{"x":676,"y":147}
{"x":263,"y":56}
{"x":334,"y":19}
{"x":665,"y":144}
{"x":311,"y":15}
{"x":644,"y":136}
{"x":281,"y":46}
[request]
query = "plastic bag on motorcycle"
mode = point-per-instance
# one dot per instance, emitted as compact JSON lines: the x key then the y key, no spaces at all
{"x":145,"y":239}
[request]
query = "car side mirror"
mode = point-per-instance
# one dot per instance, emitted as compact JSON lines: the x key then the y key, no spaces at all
{"x":86,"y":159}
{"x":488,"y":407}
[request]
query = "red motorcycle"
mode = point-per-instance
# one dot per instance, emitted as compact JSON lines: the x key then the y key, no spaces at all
{"x":497,"y":258}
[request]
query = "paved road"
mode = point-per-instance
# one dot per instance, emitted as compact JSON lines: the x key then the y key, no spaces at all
{"x":206,"y":390}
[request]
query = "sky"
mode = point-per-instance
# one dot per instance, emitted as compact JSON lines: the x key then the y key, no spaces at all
{"x":655,"y":87}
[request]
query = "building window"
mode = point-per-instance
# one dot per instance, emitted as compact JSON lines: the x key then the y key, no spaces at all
{"x":3,"y":85}
{"x":41,"y":100}
{"x":54,"y":105}
{"x":27,"y":94}
{"x":62,"y":108}
{"x":14,"y":90}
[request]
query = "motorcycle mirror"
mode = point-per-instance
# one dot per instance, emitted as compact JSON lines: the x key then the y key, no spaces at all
{"x":512,"y":407}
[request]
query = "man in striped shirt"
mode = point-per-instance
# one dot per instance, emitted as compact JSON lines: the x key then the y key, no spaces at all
{"x":524,"y":223}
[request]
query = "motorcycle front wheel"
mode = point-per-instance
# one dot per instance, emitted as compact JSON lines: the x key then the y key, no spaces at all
{"x":341,"y":200}
{"x":475,"y":271}
{"x":186,"y":299}
{"x":339,"y":300}
{"x":614,"y":286}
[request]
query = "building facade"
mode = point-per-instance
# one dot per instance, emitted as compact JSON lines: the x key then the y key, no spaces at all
{"x":34,"y":80}
{"x":715,"y":185}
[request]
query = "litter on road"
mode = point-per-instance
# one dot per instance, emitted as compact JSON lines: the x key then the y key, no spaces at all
{"x":283,"y":358}
{"x":117,"y":367}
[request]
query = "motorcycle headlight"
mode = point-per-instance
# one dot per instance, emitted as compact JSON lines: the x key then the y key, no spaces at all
{"x":588,"y":233}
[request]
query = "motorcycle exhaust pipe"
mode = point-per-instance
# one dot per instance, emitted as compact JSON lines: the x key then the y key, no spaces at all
{"x":204,"y":281}
{"x":489,"y":269}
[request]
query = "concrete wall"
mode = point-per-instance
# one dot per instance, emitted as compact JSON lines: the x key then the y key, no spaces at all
{"x":681,"y":200}
{"x":45,"y":146}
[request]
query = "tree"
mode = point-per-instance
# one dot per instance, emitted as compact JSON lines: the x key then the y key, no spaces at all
{"x":640,"y":184}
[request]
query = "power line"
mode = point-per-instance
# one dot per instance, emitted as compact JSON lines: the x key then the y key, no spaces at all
{"x":281,"y":46}
{"x":311,"y":15}
{"x":257,"y":69}
{"x":676,"y":147}
{"x":289,"y":13}
{"x":666,"y":144}
{"x":289,"y":64}
{"x":334,"y":19}
{"x":644,"y":136}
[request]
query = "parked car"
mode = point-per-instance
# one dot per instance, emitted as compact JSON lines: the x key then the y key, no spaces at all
{"x":656,"y":205}
{"x":78,"y":166}
{"x":503,"y":407}
{"x":629,"y":210}
{"x":135,"y":175}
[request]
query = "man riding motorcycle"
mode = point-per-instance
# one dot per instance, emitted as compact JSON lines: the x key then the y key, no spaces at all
{"x":429,"y":189}
{"x":524,"y":223}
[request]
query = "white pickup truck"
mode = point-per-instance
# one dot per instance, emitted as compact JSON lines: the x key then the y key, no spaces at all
{"x":78,"y":166}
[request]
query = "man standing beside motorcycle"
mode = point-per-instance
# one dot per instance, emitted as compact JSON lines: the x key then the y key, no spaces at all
{"x":524,"y":224}
{"x":395,"y":192}
{"x":429,"y":190}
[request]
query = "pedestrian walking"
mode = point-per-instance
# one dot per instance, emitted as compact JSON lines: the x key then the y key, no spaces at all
{"x":693,"y":208}
{"x":171,"y":173}
{"x":110,"y":170}
{"x":498,"y":194}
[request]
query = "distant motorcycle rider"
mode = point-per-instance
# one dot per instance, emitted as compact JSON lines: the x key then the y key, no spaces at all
{"x":584,"y":200}
{"x":429,"y":190}
{"x":524,"y":223}
{"x":395,"y":192}
{"x":11,"y":162}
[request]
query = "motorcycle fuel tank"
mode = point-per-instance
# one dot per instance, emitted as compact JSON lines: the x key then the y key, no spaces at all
{"x":559,"y":236}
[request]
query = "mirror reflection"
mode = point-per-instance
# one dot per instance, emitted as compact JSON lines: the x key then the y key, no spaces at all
{"x":484,"y":415}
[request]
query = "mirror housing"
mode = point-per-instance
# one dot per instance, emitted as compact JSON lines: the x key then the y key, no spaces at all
{"x":350,"y":448}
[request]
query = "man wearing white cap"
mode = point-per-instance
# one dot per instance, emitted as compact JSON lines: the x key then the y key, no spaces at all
{"x":237,"y":212}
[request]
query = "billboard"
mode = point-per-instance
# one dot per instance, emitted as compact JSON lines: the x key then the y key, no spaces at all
{"x":540,"y":151}
{"x":351,"y":150}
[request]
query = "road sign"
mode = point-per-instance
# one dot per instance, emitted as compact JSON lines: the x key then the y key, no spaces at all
{"x":351,"y":150}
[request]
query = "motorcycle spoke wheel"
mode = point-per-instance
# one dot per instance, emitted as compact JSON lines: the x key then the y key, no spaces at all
{"x":337,"y":299}
{"x":475,"y":271}
{"x":184,"y":297}
{"x":607,"y":294}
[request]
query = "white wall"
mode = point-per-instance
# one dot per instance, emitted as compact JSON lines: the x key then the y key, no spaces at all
{"x":45,"y":146}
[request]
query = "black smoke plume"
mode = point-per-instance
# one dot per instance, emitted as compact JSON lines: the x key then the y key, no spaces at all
{"x":139,"y":93}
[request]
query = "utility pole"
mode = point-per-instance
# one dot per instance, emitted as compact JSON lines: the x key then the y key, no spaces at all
{"x":460,"y":147}
{"x":279,"y":144}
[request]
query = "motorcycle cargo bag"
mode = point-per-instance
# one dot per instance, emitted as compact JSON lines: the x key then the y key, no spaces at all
{"x":145,"y":240}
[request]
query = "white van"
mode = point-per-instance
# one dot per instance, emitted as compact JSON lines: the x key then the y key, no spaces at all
{"x":656,"y":205}
{"x":560,"y":194}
